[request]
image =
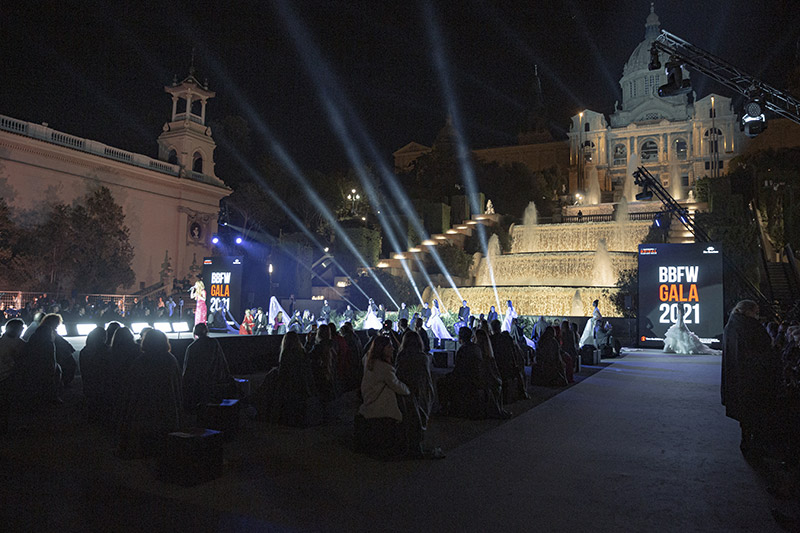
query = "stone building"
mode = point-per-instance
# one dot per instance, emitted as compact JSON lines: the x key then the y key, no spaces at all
{"x":677,"y":138}
{"x":170,"y":203}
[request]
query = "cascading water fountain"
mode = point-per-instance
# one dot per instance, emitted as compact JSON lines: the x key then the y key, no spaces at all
{"x":629,"y":188}
{"x":577,"y":304}
{"x":602,"y":270}
{"x":493,"y":247}
{"x":593,"y":193}
{"x":531,"y":217}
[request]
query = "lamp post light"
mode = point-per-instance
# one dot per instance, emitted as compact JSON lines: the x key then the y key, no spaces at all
{"x":353,"y":197}
{"x":580,"y":151}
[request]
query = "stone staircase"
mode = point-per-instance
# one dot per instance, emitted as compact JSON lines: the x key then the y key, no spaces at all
{"x":457,"y":235}
{"x":783,"y":284}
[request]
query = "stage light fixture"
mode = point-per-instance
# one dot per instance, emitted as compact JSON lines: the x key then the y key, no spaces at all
{"x":753,"y":119}
{"x":85,"y":329}
{"x":166,"y":327}
{"x":239,"y":240}
{"x":62,"y":330}
{"x":180,"y":327}
{"x":215,"y":239}
{"x":657,"y":221}
{"x":675,"y":85}
{"x":137,"y":327}
{"x":645,"y":195}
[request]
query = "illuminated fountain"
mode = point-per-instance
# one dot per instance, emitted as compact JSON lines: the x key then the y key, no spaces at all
{"x":675,"y":188}
{"x":577,"y":304}
{"x":604,"y":273}
{"x":531,"y":217}
{"x":593,"y":193}
{"x":629,"y":188}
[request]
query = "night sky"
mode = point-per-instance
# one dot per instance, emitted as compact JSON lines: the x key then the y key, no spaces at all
{"x":99,"y":72}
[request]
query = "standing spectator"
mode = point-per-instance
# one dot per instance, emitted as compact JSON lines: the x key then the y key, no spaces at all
{"x":294,"y":387}
{"x":12,"y":348}
{"x":94,"y":360}
{"x":749,"y":376}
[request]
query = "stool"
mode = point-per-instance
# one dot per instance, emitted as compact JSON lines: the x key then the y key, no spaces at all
{"x":223,"y":416}
{"x":191,"y":457}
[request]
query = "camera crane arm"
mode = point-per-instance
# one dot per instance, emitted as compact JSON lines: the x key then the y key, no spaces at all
{"x":779,"y":102}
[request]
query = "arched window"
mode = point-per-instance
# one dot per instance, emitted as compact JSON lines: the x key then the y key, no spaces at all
{"x":649,"y":151}
{"x":197,"y":162}
{"x":712,"y":137}
{"x":620,"y":154}
{"x":586,"y":127}
{"x":680,"y":149}
{"x":172,"y":157}
{"x":588,"y":151}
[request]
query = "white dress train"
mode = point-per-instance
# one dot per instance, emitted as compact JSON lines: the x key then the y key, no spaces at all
{"x":372,"y":321}
{"x":436,"y":325}
{"x":679,"y":339}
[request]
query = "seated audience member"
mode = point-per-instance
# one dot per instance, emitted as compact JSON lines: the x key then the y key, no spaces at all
{"x":355,"y":354}
{"x":461,"y":391}
{"x":294,"y":385}
{"x":12,"y":347}
{"x":402,"y":326}
{"x":112,"y":328}
{"x":510,"y":364}
{"x":414,"y":369}
{"x":492,"y":382}
{"x":423,"y":335}
{"x":322,"y":359}
{"x":151,"y":403}
{"x":342,"y":359}
{"x":124,"y":352}
{"x":64,"y":349}
{"x":94,"y":360}
{"x":605,"y":341}
{"x":39,"y":373}
{"x":548,"y":370}
{"x":378,"y":427}
{"x":569,"y":346}
{"x":31,"y":329}
{"x":206,"y":376}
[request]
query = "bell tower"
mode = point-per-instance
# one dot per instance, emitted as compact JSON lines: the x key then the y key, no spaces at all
{"x":186,"y":140}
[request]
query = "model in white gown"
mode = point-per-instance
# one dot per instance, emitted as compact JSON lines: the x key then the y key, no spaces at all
{"x":588,"y":332}
{"x":372,"y":321}
{"x":679,"y":339}
{"x":510,"y":315}
{"x":435,"y":323}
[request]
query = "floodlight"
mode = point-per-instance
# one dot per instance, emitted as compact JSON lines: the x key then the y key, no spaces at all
{"x":137,"y":327}
{"x":85,"y":329}
{"x":753,"y":119}
{"x":180,"y":327}
{"x":62,"y":330}
{"x":166,"y":327}
{"x":238,"y":240}
{"x":675,"y":85}
{"x":215,"y":239}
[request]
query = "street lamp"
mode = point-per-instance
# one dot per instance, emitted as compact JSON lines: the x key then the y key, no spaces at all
{"x":353,"y":197}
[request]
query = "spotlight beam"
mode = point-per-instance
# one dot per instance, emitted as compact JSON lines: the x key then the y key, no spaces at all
{"x":463,"y":153}
{"x":278,"y":150}
{"x":266,"y":238}
{"x":329,"y":91}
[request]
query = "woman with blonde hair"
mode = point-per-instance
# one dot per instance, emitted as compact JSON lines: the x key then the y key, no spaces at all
{"x":198,"y":292}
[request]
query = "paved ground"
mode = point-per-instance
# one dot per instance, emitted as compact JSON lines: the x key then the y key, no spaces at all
{"x":642,"y":445}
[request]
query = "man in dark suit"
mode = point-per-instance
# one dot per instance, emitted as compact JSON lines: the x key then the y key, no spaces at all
{"x":260,"y":322}
{"x":463,"y":312}
{"x":426,"y":313}
{"x":403,"y":312}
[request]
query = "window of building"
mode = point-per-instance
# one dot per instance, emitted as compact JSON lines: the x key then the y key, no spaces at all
{"x":620,"y":154}
{"x":172,"y":157}
{"x":197,"y":162}
{"x":647,"y":84}
{"x":680,"y":149}
{"x":712,"y":137}
{"x":685,"y":180}
{"x":588,"y":151}
{"x":720,"y":164}
{"x":649,"y":151}
{"x":586,"y":127}
{"x":708,"y":165}
{"x":712,"y":112}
